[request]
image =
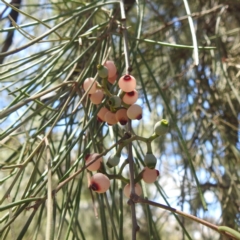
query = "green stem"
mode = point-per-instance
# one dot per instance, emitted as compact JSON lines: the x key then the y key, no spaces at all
{"x":123,"y":166}
{"x":105,"y":88}
{"x":229,"y":230}
{"x":117,"y":176}
{"x":149,"y":147}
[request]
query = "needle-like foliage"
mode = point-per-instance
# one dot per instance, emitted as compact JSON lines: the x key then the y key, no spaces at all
{"x":184,"y":56}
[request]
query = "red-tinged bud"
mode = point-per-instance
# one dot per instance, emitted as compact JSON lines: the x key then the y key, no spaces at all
{"x":130,"y":97}
{"x":99,"y":183}
{"x":134,"y":112}
{"x":150,"y":175}
{"x":121,"y":116}
{"x":127,"y":83}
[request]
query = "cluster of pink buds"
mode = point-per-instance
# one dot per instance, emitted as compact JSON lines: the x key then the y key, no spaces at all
{"x":117,"y":108}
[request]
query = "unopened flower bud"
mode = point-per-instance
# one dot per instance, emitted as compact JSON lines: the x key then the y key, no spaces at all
{"x":150,"y":160}
{"x":115,"y":101}
{"x":150,"y":175}
{"x":102,"y":71}
{"x":113,"y":161}
{"x":99,"y":183}
{"x":161,"y":127}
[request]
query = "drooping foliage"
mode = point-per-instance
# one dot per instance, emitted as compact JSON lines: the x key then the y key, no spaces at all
{"x":186,"y":66}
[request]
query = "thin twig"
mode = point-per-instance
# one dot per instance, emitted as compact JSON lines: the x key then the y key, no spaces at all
{"x":135,"y":226}
{"x":193,"y":15}
{"x":135,"y":198}
{"x":12,"y":109}
{"x":49,"y":193}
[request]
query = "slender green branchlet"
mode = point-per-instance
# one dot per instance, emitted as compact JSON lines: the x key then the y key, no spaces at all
{"x":229,"y":230}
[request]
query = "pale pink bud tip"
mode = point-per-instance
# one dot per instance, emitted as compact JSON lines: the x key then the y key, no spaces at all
{"x":112,"y":70}
{"x":110,"y":118}
{"x":90,"y":82}
{"x":97,"y":97}
{"x":95,"y":165}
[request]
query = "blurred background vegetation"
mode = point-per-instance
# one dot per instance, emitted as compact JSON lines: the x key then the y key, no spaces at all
{"x":49,"y":47}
